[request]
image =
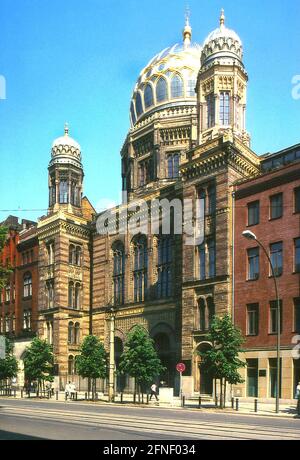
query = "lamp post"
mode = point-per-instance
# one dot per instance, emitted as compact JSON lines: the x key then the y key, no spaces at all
{"x":251,"y":236}
{"x":111,"y":375}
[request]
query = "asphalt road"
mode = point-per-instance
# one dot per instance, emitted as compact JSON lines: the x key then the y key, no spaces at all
{"x":32,"y":419}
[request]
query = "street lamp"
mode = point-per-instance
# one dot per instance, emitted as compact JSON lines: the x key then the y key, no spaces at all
{"x":251,"y":236}
{"x":111,"y":375}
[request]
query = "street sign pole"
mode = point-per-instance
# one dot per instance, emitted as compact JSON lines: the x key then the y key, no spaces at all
{"x":180,"y":368}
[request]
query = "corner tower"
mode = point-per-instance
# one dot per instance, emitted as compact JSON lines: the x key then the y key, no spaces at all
{"x":222,"y":86}
{"x":65,"y":175}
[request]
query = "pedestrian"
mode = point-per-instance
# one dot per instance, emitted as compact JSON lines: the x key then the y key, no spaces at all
{"x":298,"y":391}
{"x":67,"y":390}
{"x":153,"y":392}
{"x":72,"y":391}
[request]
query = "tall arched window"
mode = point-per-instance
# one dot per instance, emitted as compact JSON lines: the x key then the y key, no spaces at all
{"x":27,"y":291}
{"x":118,"y":273}
{"x":140,"y":271}
{"x":148,"y":96}
{"x":77,"y":300}
{"x":161,"y":90}
{"x":77,"y":334}
{"x":138,"y":105}
{"x":173,"y":165}
{"x":71,"y":294}
{"x":78,"y":256}
{"x":164,"y":267}
{"x":133,"y":117}
{"x":71,"y":333}
{"x":176,"y":86}
{"x":7,"y":293}
{"x":72,"y":254}
{"x":202,"y":315}
{"x":63,"y":191}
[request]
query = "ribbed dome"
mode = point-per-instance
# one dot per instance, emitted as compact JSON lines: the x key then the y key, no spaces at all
{"x":168,"y":80}
{"x":222,"y":44}
{"x":65,"y":150}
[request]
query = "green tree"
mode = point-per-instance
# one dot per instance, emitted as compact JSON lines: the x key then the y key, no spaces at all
{"x":4,"y":271}
{"x":8,"y":365}
{"x":222,"y":359}
{"x":39,"y":363}
{"x":91,"y":363}
{"x":139,"y":359}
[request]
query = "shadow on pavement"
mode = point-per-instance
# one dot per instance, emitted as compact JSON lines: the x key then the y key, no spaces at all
{"x":8,"y":436}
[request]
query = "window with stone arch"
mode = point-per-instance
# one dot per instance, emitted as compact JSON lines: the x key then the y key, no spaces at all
{"x":71,"y":333}
{"x":75,"y":253}
{"x":176,"y":86}
{"x":161,"y":90}
{"x":63,"y":191}
{"x":138,"y":105}
{"x":118,"y":273}
{"x":27,"y":289}
{"x":164,"y":267}
{"x":148,"y":96}
{"x":140,"y":268}
{"x":71,"y":365}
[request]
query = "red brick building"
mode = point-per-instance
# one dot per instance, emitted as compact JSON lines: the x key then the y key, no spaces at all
{"x":18,"y":300}
{"x":269,"y":206}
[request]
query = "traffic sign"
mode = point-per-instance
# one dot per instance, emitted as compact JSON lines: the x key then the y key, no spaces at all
{"x":180,"y":367}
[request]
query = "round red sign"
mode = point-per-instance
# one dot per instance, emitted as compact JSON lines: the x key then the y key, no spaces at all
{"x":180,"y":367}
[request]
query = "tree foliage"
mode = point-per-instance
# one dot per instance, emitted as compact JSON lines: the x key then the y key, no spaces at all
{"x":140,"y":359}
{"x":4,"y":271}
{"x":222,"y":359}
{"x":8,"y":365}
{"x":38,"y":362}
{"x":91,"y":363}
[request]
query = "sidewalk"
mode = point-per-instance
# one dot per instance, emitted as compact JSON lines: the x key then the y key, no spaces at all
{"x":245,"y":408}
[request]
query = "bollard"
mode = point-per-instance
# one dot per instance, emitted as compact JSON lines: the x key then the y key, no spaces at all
{"x":200,"y":402}
{"x":237,"y":404}
{"x":147,"y":398}
{"x":255,"y":405}
{"x":21,"y":393}
{"x":76,"y":396}
{"x":232,"y":403}
{"x":134,"y":398}
{"x":121,"y":398}
{"x":216,"y":401}
{"x":85,"y":396}
{"x":48,"y":396}
{"x":57,"y":396}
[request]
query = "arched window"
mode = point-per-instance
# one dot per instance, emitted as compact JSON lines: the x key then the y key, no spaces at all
{"x":71,"y":333}
{"x":77,"y":300}
{"x":77,"y":334}
{"x":78,"y":256}
{"x":118,"y":273}
{"x":202,"y":315}
{"x":173,"y":166}
{"x":161,"y":90}
{"x":71,"y":365}
{"x":71,"y":294}
{"x":148,"y":96}
{"x":7,"y":293}
{"x":72,"y":254}
{"x":138,"y":105}
{"x":27,"y":290}
{"x":133,"y":117}
{"x":176,"y":86}
{"x":50,"y":293}
{"x":140,"y":271}
{"x":63,"y":191}
{"x":164,"y":267}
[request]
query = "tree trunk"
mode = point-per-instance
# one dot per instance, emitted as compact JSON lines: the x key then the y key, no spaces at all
{"x":225,"y":386}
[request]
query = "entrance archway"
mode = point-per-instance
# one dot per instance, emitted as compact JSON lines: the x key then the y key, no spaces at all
{"x":204,"y":381}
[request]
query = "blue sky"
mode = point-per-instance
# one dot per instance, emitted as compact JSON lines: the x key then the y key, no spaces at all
{"x":78,"y":60}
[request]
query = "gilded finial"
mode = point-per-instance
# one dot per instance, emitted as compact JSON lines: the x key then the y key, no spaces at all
{"x":222,"y":18}
{"x":187,"y":31}
{"x":66,"y":129}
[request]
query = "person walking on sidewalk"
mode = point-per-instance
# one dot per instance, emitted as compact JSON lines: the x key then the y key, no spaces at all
{"x":68,"y":390}
{"x":153,"y":391}
{"x":298,"y":391}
